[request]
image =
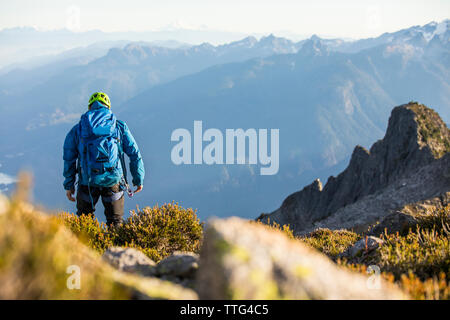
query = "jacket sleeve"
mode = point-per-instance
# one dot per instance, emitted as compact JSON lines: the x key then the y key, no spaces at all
{"x":70,"y":156}
{"x":131,"y":149}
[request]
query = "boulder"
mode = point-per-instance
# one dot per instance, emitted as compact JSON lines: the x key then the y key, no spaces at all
{"x":395,"y":222}
{"x":130,"y":260}
{"x":150,"y":288}
{"x":365,"y":245}
{"x":179,"y":264}
{"x":246,"y":260}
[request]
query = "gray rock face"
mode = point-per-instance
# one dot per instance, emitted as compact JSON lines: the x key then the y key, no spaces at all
{"x":130,"y":260}
{"x":179,"y":264}
{"x":412,"y":195}
{"x":244,"y":260}
{"x":416,"y":137}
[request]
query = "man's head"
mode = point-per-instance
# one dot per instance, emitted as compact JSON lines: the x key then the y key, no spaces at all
{"x":100,"y":97}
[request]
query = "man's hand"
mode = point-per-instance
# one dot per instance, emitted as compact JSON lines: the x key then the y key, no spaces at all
{"x":69,"y":194}
{"x":138,"y":189}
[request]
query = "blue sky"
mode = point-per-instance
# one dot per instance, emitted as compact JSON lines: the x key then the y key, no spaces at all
{"x":343,"y":18}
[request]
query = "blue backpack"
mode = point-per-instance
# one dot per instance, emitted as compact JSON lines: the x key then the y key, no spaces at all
{"x":100,"y":148}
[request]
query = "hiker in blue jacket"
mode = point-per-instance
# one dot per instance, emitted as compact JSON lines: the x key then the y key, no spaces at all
{"x":94,"y":150}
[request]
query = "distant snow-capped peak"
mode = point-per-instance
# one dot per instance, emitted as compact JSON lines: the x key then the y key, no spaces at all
{"x":439,"y":29}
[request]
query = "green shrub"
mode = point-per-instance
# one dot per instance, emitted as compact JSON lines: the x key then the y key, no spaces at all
{"x":161,"y":230}
{"x":156,"y":231}
{"x":424,"y":252}
{"x":286,"y":229}
{"x":331,"y":242}
{"x":438,"y":220}
{"x":88,"y":230}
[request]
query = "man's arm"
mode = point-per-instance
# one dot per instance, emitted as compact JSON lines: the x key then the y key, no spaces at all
{"x":131,"y":149}
{"x":70,"y":155}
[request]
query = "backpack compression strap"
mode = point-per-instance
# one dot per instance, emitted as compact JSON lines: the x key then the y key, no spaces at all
{"x":122,"y":161}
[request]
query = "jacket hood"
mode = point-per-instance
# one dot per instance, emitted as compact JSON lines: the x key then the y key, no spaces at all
{"x":97,"y":105}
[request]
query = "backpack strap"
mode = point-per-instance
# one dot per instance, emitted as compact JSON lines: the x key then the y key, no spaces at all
{"x":121,"y":152}
{"x":122,"y":160}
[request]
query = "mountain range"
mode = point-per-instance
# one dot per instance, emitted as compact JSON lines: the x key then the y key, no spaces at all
{"x":325,"y":96}
{"x":23,"y":43}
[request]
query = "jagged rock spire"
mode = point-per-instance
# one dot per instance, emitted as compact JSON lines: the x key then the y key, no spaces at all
{"x":416,"y":136}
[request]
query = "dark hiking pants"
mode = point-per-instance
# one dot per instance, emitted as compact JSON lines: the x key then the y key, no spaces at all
{"x":112,"y":199}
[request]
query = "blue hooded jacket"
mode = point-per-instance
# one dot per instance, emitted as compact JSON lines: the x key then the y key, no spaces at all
{"x":71,"y":155}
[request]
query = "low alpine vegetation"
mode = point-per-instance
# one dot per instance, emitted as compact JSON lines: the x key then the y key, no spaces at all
{"x":161,"y":230}
{"x":157,"y":231}
{"x":332,"y":243}
{"x":418,"y":262}
{"x":286,"y":229}
{"x":89,"y":230}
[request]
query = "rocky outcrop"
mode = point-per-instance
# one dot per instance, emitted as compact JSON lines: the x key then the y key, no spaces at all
{"x":405,"y":218}
{"x":427,"y":186}
{"x":245,"y":260}
{"x":130,"y":260}
{"x":393,"y":223}
{"x":365,"y":245}
{"x":409,"y":165}
{"x":179,"y":268}
{"x":179,"y":264}
{"x":151,"y":288}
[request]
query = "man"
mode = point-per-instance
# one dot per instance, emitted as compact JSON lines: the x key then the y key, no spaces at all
{"x":94,"y":150}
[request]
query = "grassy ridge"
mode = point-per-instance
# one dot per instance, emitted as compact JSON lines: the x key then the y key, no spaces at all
{"x":419,"y":262}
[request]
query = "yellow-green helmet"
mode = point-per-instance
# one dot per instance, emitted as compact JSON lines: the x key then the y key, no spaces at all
{"x":101,"y":97}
